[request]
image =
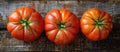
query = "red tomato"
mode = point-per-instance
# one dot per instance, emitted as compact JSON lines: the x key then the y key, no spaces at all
{"x":96,"y":24}
{"x":61,"y":26}
{"x":25,"y":24}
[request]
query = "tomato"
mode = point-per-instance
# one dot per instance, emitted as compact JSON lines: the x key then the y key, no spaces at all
{"x":96,"y":24}
{"x":25,"y":24}
{"x":61,"y":26}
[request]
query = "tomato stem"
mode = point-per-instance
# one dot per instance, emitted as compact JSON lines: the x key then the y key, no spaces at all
{"x":25,"y":23}
{"x":99,"y":23}
{"x":61,"y":25}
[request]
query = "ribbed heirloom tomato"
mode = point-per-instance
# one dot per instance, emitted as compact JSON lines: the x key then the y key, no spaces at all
{"x":96,"y":24}
{"x":61,"y":26}
{"x":25,"y":24}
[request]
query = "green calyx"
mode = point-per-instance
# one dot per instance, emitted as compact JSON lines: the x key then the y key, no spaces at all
{"x":25,"y":22}
{"x":61,"y":25}
{"x":99,"y":23}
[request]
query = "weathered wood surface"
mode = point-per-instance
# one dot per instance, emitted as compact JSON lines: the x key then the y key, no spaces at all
{"x":112,"y":43}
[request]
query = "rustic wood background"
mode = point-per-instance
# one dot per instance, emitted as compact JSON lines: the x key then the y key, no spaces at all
{"x":111,"y":44}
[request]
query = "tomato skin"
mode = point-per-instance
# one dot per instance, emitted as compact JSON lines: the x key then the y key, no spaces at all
{"x":61,"y":26}
{"x":96,"y":24}
{"x":25,"y":24}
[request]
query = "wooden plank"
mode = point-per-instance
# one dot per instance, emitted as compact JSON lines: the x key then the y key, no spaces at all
{"x":79,"y":44}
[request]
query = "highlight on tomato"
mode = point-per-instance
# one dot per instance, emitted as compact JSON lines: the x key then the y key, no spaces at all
{"x":96,"y":24}
{"x":25,"y":24}
{"x":61,"y":26}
